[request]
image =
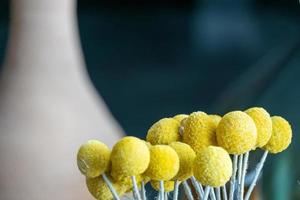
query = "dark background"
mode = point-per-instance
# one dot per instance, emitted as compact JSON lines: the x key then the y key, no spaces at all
{"x":152,"y":58}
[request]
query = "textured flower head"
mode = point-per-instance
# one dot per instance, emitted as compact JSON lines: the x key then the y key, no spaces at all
{"x":93,"y":158}
{"x":213,"y":166}
{"x":199,"y":131}
{"x":129,"y":157}
{"x":164,"y":163}
{"x":164,"y":131}
{"x":98,"y":188}
{"x":180,"y":117}
{"x":216,"y":119}
{"x":186,"y":158}
{"x":237,"y":132}
{"x":263,"y":125}
{"x":281,"y":135}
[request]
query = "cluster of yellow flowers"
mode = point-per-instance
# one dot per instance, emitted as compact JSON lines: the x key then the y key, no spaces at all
{"x":180,"y":148}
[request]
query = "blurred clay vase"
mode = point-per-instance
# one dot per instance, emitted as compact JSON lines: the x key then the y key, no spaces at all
{"x":48,"y":106}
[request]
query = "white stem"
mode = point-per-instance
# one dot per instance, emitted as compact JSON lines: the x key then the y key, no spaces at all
{"x":136,"y":192}
{"x":233,"y":178}
{"x":144,"y":197}
{"x":166,"y":195}
{"x":218,"y":192}
{"x":212,"y":194}
{"x":161,"y":190}
{"x":256,"y":175}
{"x":224,"y":192}
{"x":206,"y":193}
{"x":244,"y":172}
{"x":175,"y":193}
{"x":240,"y":169}
{"x":187,"y":191}
{"x":198,"y":187}
{"x":111,"y":188}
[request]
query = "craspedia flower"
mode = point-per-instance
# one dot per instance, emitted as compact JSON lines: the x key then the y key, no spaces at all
{"x":281,"y":135}
{"x":129,"y":157}
{"x":186,"y":159}
{"x":93,"y":158}
{"x":216,"y":119}
{"x":164,"y":163}
{"x":263,"y":125}
{"x":98,"y":188}
{"x":199,"y":131}
{"x":180,"y":117}
{"x":145,"y":178}
{"x":168,"y":185}
{"x":126,"y":182}
{"x":213,"y":166}
{"x":164,"y":131}
{"x":236,"y":132}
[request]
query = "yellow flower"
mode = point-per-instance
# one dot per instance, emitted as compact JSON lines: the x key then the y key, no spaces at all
{"x":216,"y":119}
{"x":186,"y":159}
{"x":263,"y":124}
{"x":98,"y":188}
{"x":126,"y":182}
{"x":164,"y":131}
{"x":213,"y":166}
{"x":180,"y":117}
{"x":168,"y":185}
{"x":236,"y":132}
{"x":93,"y":158}
{"x":199,"y":131}
{"x":129,"y":157}
{"x":164,"y":163}
{"x":281,"y":135}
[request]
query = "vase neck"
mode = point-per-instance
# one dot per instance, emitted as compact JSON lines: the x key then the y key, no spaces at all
{"x":42,"y":7}
{"x":43,"y":34}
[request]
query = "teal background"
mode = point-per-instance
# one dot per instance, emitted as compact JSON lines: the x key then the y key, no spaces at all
{"x":154,"y":59}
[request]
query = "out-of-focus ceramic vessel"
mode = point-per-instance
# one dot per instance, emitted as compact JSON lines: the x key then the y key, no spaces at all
{"x":48,"y":106}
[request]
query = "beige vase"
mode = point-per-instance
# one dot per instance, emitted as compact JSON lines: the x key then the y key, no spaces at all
{"x":48,"y":106}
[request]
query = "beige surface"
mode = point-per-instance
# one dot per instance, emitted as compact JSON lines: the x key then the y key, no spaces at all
{"x":47,"y":105}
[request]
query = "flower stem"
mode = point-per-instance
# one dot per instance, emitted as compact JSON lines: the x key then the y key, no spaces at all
{"x":175,"y":193}
{"x":245,"y":166}
{"x":111,"y":188}
{"x":258,"y":169}
{"x":233,"y":177}
{"x":136,"y":192}
{"x":198,"y":187}
{"x":187,"y":191}
{"x":161,"y":190}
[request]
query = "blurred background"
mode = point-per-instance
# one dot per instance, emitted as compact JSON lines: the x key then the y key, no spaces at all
{"x":155,"y":58}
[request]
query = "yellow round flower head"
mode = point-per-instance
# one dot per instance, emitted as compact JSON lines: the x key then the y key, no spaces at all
{"x":199,"y":131}
{"x":216,"y":119}
{"x":213,"y":166}
{"x":126,"y":182}
{"x":164,"y":131}
{"x":145,"y":178}
{"x":98,"y":188}
{"x":281,"y":135}
{"x":263,"y":124}
{"x":164,"y":163}
{"x":180,"y":117}
{"x":186,"y":159}
{"x":93,"y":158}
{"x":129,"y":157}
{"x":168,"y":185}
{"x":236,"y":132}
